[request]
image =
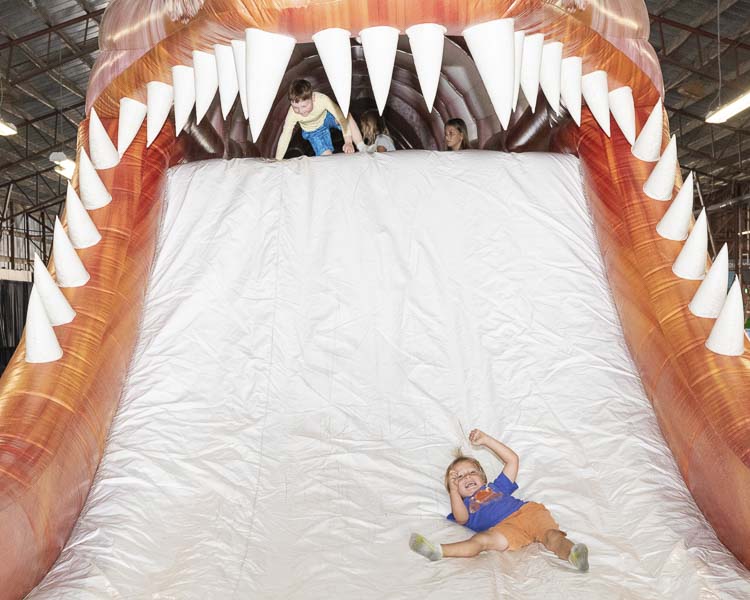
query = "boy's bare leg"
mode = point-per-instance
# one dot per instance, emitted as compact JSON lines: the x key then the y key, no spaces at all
{"x":576,"y":554}
{"x":471,"y":547}
{"x":326,"y":153}
{"x":476,"y":544}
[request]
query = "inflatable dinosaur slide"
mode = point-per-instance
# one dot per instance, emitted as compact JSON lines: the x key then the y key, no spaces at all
{"x":243,"y":378}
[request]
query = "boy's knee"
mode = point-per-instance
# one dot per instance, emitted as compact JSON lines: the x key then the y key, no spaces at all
{"x":490,"y":540}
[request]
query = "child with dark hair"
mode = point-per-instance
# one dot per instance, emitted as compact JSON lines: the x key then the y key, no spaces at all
{"x":316,"y":114}
{"x":456,"y":135}
{"x":501,"y":521}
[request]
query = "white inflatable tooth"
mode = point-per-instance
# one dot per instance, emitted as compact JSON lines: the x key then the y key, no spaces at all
{"x":570,"y":86}
{"x":239,"y":51}
{"x":518,"y":38}
{"x":183,"y":82}
{"x":83,"y":232}
{"x":335,"y":51}
{"x":68,"y":266}
{"x":266,"y":56}
{"x":56,"y":305}
{"x":41,"y":342}
{"x":131,"y":118}
{"x":206,"y":82}
{"x":728,"y":334}
{"x":159,"y":102}
{"x":660,"y":183}
{"x":103,"y":152}
{"x":94,"y":193}
{"x":595,"y":92}
{"x":691,"y":262}
{"x":492,"y":47}
{"x":549,"y":73}
{"x":379,"y":45}
{"x":530,"y":67}
{"x":426,"y":41}
{"x":227,"y":73}
{"x":675,"y":224}
{"x":709,"y":298}
{"x":647,"y":145}
{"x":623,"y":110}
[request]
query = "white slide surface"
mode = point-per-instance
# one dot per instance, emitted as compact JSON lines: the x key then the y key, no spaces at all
{"x":319,"y":334}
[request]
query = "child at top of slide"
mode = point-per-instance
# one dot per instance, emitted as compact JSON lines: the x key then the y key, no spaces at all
{"x":501,"y":521}
{"x":375,"y":136}
{"x":316,"y":114}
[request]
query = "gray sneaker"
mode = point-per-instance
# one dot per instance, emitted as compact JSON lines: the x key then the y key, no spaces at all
{"x":579,"y":557}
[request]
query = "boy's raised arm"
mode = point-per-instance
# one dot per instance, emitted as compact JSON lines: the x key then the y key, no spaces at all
{"x":503,"y":452}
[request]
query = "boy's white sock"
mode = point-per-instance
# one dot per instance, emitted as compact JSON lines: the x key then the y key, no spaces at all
{"x":361,"y":146}
{"x":421,"y":545}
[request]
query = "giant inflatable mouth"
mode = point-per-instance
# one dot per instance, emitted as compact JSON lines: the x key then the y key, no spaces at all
{"x":55,"y":412}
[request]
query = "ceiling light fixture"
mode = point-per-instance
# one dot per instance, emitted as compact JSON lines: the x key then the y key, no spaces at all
{"x":65,"y":166}
{"x":7,"y":128}
{"x":729,"y":110}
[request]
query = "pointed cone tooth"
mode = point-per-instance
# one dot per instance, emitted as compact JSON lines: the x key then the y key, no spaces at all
{"x":492,"y":47}
{"x":68,"y":266}
{"x":183,"y":82}
{"x":675,"y":224}
{"x":94,"y":193}
{"x":103,"y":152}
{"x":132,"y":114}
{"x":709,"y":298}
{"x":335,"y":50}
{"x":647,"y":145}
{"x":159,"y":102}
{"x":530,"y":67}
{"x":660,"y":183}
{"x":595,"y":92}
{"x":267,"y":55}
{"x":691,"y":262}
{"x":379,"y":45}
{"x":83,"y":232}
{"x":518,"y":38}
{"x":41,"y":342}
{"x":728,"y":334}
{"x":55,"y":304}
{"x":227,"y":72}
{"x":549,"y":74}
{"x":623,"y":110}
{"x":206,"y":82}
{"x":239,"y":50}
{"x":570,"y":86}
{"x":426,"y":41}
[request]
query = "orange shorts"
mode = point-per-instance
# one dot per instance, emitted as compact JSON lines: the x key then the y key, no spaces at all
{"x":525,"y":526}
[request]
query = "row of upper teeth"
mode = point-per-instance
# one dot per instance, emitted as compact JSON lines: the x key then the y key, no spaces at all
{"x":507,"y":61}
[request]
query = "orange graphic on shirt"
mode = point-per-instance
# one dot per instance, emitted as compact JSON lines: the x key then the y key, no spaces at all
{"x":483,"y":496}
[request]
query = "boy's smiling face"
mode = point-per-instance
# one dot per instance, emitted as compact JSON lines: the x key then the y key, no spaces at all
{"x":302,"y":107}
{"x":469,"y":479}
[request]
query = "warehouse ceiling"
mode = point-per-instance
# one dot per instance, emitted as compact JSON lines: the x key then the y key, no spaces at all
{"x":47,"y":49}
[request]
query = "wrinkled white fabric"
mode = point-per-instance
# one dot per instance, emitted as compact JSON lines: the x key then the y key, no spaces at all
{"x":318,"y":337}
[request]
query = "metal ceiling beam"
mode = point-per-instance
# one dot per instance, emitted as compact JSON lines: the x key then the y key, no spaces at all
{"x":697,"y":31}
{"x":51,"y":29}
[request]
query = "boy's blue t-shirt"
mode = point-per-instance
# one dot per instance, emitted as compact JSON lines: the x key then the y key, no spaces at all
{"x":491,"y":504}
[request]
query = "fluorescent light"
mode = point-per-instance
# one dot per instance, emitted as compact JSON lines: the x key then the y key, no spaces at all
{"x":65,"y":166}
{"x":7,"y":128}
{"x":729,"y":110}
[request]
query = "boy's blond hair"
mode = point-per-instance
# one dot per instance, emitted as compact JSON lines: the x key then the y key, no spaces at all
{"x":461,"y":458}
{"x":300,"y":90}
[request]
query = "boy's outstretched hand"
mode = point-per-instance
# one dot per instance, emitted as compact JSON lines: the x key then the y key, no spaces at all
{"x":348,"y":147}
{"x":478,"y":437}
